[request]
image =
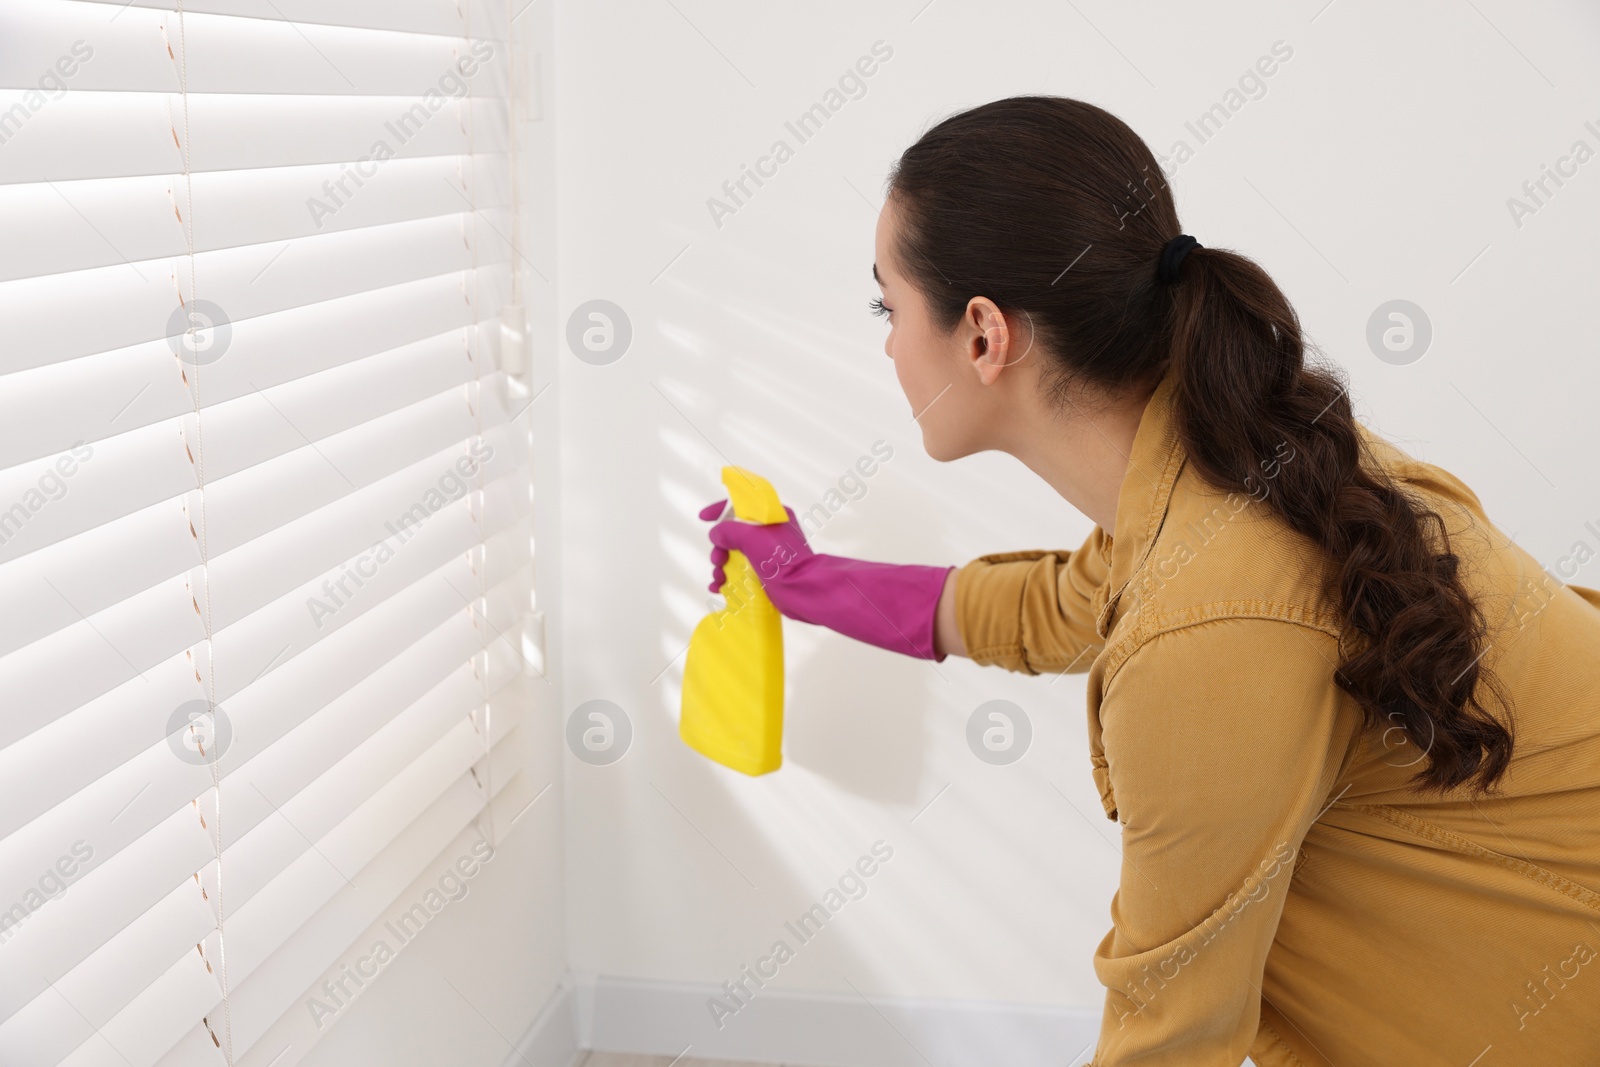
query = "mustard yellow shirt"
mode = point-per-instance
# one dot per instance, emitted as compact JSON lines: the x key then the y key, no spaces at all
{"x":1284,"y":891}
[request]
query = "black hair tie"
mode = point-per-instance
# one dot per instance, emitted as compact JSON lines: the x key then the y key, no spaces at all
{"x":1172,"y":255}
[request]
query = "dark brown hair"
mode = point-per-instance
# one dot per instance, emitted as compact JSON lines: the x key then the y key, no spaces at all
{"x":1056,"y":208}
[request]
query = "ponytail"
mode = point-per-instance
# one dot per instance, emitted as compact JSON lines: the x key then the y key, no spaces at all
{"x":1056,"y":183}
{"x":1244,"y":391}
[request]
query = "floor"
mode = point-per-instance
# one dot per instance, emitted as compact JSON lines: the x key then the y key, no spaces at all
{"x":626,"y":1059}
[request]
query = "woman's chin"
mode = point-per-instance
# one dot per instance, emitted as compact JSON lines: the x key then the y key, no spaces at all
{"x":941,"y":448}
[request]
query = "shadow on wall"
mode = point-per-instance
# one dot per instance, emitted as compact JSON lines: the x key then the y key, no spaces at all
{"x":860,"y":721}
{"x":863,"y":717}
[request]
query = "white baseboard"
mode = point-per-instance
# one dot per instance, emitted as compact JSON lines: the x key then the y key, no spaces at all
{"x":828,"y":1029}
{"x":552,"y":1040}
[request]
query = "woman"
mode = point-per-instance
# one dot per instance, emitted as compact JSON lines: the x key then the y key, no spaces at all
{"x":1350,"y":731}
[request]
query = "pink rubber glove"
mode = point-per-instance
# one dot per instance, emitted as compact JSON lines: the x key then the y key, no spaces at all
{"x":889,"y":605}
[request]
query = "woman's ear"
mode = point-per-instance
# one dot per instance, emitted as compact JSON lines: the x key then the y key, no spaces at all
{"x":992,"y":346}
{"x":996,"y":338}
{"x":996,"y":345}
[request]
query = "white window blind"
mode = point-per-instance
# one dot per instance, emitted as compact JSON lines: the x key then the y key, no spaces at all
{"x":265,"y":508}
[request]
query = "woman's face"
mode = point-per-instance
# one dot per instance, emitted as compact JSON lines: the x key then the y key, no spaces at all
{"x":949,"y":379}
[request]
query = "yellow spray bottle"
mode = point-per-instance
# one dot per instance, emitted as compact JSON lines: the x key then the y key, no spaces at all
{"x":733,"y":677}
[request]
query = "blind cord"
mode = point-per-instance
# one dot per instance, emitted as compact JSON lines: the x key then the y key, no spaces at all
{"x":203,"y":534}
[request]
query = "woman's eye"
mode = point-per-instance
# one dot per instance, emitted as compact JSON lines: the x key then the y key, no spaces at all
{"x":878,"y":308}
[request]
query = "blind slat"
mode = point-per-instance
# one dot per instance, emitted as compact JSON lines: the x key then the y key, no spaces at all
{"x":370,"y":387}
{"x":76,"y":226}
{"x":277,"y":347}
{"x":125,"y":50}
{"x":114,"y":135}
{"x":486,"y":18}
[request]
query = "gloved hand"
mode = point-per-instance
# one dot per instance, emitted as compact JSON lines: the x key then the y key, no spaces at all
{"x":888,"y":605}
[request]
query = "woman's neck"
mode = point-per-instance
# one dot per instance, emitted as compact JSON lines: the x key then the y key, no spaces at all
{"x":1083,"y":453}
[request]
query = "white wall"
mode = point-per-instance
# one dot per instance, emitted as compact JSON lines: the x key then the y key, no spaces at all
{"x":1376,"y":166}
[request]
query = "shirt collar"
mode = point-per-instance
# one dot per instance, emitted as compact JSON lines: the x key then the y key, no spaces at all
{"x":1153,"y":465}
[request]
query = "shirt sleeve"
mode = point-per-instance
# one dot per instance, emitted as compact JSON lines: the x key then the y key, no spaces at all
{"x":1033,"y":611}
{"x":1224,"y":741}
